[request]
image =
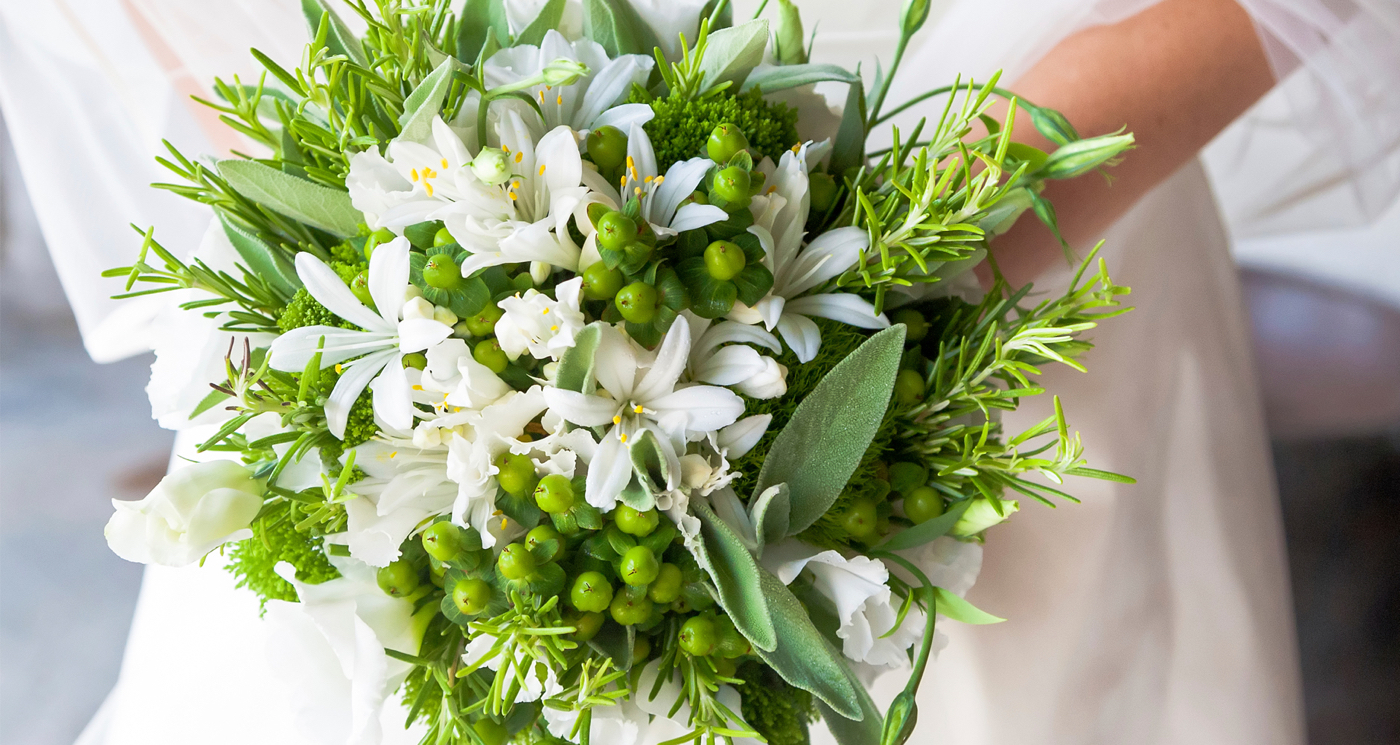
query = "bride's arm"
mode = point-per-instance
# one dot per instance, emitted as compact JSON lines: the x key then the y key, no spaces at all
{"x":1174,"y":75}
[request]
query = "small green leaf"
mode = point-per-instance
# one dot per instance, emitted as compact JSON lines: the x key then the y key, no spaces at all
{"x":1094,"y":473}
{"x":783,"y":77}
{"x":805,"y":658}
{"x":958,"y":609}
{"x":752,"y":283}
{"x":636,"y":495}
{"x":731,"y":53}
{"x":617,"y":27}
{"x":865,"y":731}
{"x":547,"y":20}
{"x":736,"y":575}
{"x":926,"y":531}
{"x":849,"y":150}
{"x":576,"y":365}
{"x":1051,"y":123}
{"x":425,"y":102}
{"x":261,"y":259}
{"x":318,"y":206}
{"x":479,"y":21}
{"x":208,"y":402}
{"x":829,"y":432}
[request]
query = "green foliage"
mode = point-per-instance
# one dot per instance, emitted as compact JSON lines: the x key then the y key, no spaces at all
{"x":780,"y":712}
{"x":305,"y":310}
{"x":682,"y":126}
{"x":275,"y":539}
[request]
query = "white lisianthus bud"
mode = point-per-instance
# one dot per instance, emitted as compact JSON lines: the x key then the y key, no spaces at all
{"x":563,"y":72}
{"x":771,"y":383}
{"x":491,"y":166}
{"x":981,"y":515}
{"x":411,"y":292}
{"x":444,"y":316}
{"x":191,"y":512}
{"x":418,"y":308}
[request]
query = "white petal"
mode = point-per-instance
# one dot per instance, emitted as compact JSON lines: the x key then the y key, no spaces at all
{"x":738,"y":439}
{"x":681,"y":179}
{"x":558,"y":153}
{"x":624,"y":116}
{"x":610,"y":85}
{"x":801,"y":334}
{"x":328,"y":289}
{"x":733,"y":331}
{"x":825,"y":258}
{"x":353,"y":379}
{"x":670,"y":362}
{"x":418,"y":334}
{"x":392,"y":400}
{"x":730,"y":365}
{"x":706,"y":407}
{"x":388,"y":278}
{"x":640,"y":149}
{"x":292,"y":350}
{"x":692,"y":216}
{"x":609,"y":472}
{"x":839,"y":306}
{"x":615,"y":363}
{"x":585,"y":411}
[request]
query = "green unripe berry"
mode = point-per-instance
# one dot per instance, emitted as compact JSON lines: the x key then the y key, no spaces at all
{"x":399,"y":579}
{"x":667,"y":586}
{"x":732,"y":644}
{"x":471,"y":595}
{"x":698,"y":637}
{"x":629,"y":610}
{"x":588,"y":625}
{"x":592,"y":592}
{"x":698,"y":197}
{"x":555,"y":494}
{"x":906,"y":476}
{"x":915,"y":325}
{"x":637,"y":302}
{"x":515,"y":473}
{"x":442,"y":272}
{"x":726,"y":668}
{"x":726,"y":141}
{"x":484,"y":321}
{"x":443,"y":237}
{"x":860,"y":520}
{"x":635,"y":523}
{"x":600,"y":282}
{"x":732,"y":184}
{"x":543,"y":534}
{"x":382,"y":235}
{"x":822,"y":188}
{"x":724,"y":260}
{"x":616,"y":230}
{"x":923,"y":504}
{"x":607,"y":146}
{"x":639,"y":566}
{"x":516,"y":562}
{"x":443,"y":541}
{"x":360,"y":287}
{"x":489,"y":353}
{"x":491,"y":733}
{"x":909,"y":387}
{"x":415,"y":360}
{"x":641,"y":649}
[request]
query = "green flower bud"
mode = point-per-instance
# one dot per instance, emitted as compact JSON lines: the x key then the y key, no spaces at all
{"x":912,"y":16}
{"x":443,"y":541}
{"x":600,"y":282}
{"x":489,"y":353}
{"x":923,"y":504}
{"x":591,"y":592}
{"x":900,"y":720}
{"x":667,"y":586}
{"x":398,"y":579}
{"x":491,"y":166}
{"x":861,"y":520}
{"x":415,"y":360}
{"x":981,"y":515}
{"x":442,"y":238}
{"x":635,"y":523}
{"x":637,"y":302}
{"x":359,"y":286}
{"x":555,"y":494}
{"x":916,"y":326}
{"x":562,"y":72}
{"x":516,"y":562}
{"x":382,"y":235}
{"x":732,"y":184}
{"x":698,"y":637}
{"x":471,"y":596}
{"x":484,"y":322}
{"x":788,"y":36}
{"x":588,"y":625}
{"x":909,"y":387}
{"x":515,"y":473}
{"x":639,"y":566}
{"x":822,"y":188}
{"x":630,"y":609}
{"x":616,"y":230}
{"x":490,"y":732}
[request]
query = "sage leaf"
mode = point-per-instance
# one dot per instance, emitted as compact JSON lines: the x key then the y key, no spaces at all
{"x":479,"y":21}
{"x":783,"y":77}
{"x":957,"y":609}
{"x":649,"y":463}
{"x":318,"y":206}
{"x":731,"y":53}
{"x":425,"y":102}
{"x":770,"y":515}
{"x":261,"y":259}
{"x":806,"y":659}
{"x":576,"y":365}
{"x":829,"y":432}
{"x":927,"y":531}
{"x":547,"y":20}
{"x":732,"y":568}
{"x":865,"y":731}
{"x":617,"y":27}
{"x":849,"y":150}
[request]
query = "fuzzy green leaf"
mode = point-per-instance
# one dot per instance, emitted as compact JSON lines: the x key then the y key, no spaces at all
{"x":480,"y":20}
{"x":649,"y":463}
{"x":735,"y":573}
{"x":731,"y":53}
{"x":849,"y":150}
{"x":784,"y":77}
{"x":547,"y":20}
{"x":805,"y":658}
{"x":926,"y":531}
{"x":577,"y":363}
{"x":866,"y":731}
{"x":771,"y":513}
{"x":318,"y":206}
{"x":829,"y":432}
{"x":261,"y":259}
{"x":958,"y":609}
{"x":425,"y":102}
{"x":616,"y":26}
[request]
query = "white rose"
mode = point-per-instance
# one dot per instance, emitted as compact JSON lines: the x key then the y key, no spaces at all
{"x":544,"y":326}
{"x":190,"y":513}
{"x":770,"y":383}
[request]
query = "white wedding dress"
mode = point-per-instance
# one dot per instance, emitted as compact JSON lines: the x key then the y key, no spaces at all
{"x":1155,"y":613}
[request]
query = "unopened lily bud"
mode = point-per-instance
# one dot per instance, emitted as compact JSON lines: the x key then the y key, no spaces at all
{"x":771,"y":383}
{"x":695,"y":470}
{"x":981,"y":515}
{"x":563,"y":72}
{"x":539,"y":272}
{"x":789,"y":36}
{"x":491,"y":166}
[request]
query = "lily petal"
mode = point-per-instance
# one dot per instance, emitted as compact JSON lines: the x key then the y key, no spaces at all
{"x":609,"y":473}
{"x":393,"y":402}
{"x":388,"y":278}
{"x":801,"y":334}
{"x":670,"y":363}
{"x":353,"y":380}
{"x":329,"y":290}
{"x":585,"y":411}
{"x":739,"y":438}
{"x":706,"y":407}
{"x":692,"y":216}
{"x":418,"y":334}
{"x":839,"y":306}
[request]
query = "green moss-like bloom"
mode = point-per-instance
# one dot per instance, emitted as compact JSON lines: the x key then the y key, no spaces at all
{"x":682,"y":126}
{"x":251,"y":561}
{"x":777,"y":710}
{"x":305,"y":310}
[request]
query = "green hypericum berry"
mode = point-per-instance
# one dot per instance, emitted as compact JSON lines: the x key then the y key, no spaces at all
{"x":592,"y":592}
{"x":443,"y":237}
{"x":555,"y":494}
{"x":667,"y":586}
{"x":732,"y":184}
{"x":471,"y":596}
{"x":443,"y":541}
{"x":698,"y":637}
{"x":516,"y":473}
{"x":484,"y":322}
{"x":489,"y":353}
{"x":732,"y":644}
{"x":635,"y":523}
{"x":544,"y":533}
{"x":588,"y":625}
{"x":639,"y":566}
{"x":909,"y":387}
{"x":637,"y":302}
{"x":630,"y":610}
{"x":616,"y":230}
{"x":822,"y":189}
{"x":916,"y":326}
{"x":398,"y":579}
{"x":725,"y":142}
{"x":724,"y":260}
{"x":923,"y":504}
{"x":437,"y":572}
{"x":698,"y":197}
{"x":641,"y":649}
{"x":860,"y":520}
{"x":905,"y":476}
{"x":360,"y":287}
{"x":442,"y":272}
{"x":382,"y":235}
{"x":607,"y":146}
{"x":491,"y":733}
{"x":600,"y":282}
{"x":516,"y":562}
{"x":415,"y":360}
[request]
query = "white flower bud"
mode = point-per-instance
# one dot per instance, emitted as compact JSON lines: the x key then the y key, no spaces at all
{"x":771,"y":383}
{"x":418,"y":308}
{"x":563,"y":72}
{"x":695,"y":470}
{"x":491,"y":166}
{"x":981,"y":515}
{"x":444,"y":316}
{"x":412,"y":292}
{"x":191,"y":512}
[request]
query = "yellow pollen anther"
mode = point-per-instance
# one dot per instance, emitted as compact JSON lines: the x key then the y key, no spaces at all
{"x":444,"y":164}
{"x":553,"y":328}
{"x":503,"y":523}
{"x":427,"y":187}
{"x":428,"y":173}
{"x":559,"y":99}
{"x":659,"y":179}
{"x":545,"y":311}
{"x":519,"y":157}
{"x":796,"y":149}
{"x":617,"y":419}
{"x":637,"y":190}
{"x":631,"y":164}
{"x":541,"y":169}
{"x":505,"y":148}
{"x":772,"y":188}
{"x":637,"y":409}
{"x":622,"y":436}
{"x":413,"y":175}
{"x":417,"y":387}
{"x":541,"y":96}
{"x":338,"y":367}
{"x":513,"y":197}
{"x":647,"y":180}
{"x":394,"y":454}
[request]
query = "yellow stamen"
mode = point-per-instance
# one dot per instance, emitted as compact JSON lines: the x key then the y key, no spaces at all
{"x":647,"y":180}
{"x":394,"y":454}
{"x":417,"y":387}
{"x":428,"y":173}
{"x":519,"y":157}
{"x":444,"y":164}
{"x":553,"y":328}
{"x":541,"y":96}
{"x":513,"y":197}
{"x":413,"y":175}
{"x":772,"y":188}
{"x":427,"y":187}
{"x":796,"y":149}
{"x":338,"y":368}
{"x":503,"y":523}
{"x":637,"y":409}
{"x":623,"y":437}
{"x":559,"y":99}
{"x":541,"y":169}
{"x":545,"y":311}
{"x":637,"y":190}
{"x":505,"y":148}
{"x":660,"y":179}
{"x":617,"y":419}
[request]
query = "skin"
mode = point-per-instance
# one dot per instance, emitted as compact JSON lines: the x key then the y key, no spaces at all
{"x":1174,"y":75}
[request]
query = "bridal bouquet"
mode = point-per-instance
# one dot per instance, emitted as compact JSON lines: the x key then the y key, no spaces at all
{"x":570,"y":371}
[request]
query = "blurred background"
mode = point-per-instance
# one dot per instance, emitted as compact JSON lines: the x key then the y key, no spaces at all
{"x":74,"y":435}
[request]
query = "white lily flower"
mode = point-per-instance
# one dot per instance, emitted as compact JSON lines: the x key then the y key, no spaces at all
{"x":736,"y":365}
{"x":780,"y":217}
{"x":404,"y":486}
{"x":417,"y":179}
{"x":538,"y":323}
{"x":377,"y":350}
{"x":859,"y":589}
{"x":537,"y":679}
{"x":660,"y":196}
{"x":594,"y":100}
{"x":470,"y":461}
{"x":458,"y":381}
{"x":640,"y":394}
